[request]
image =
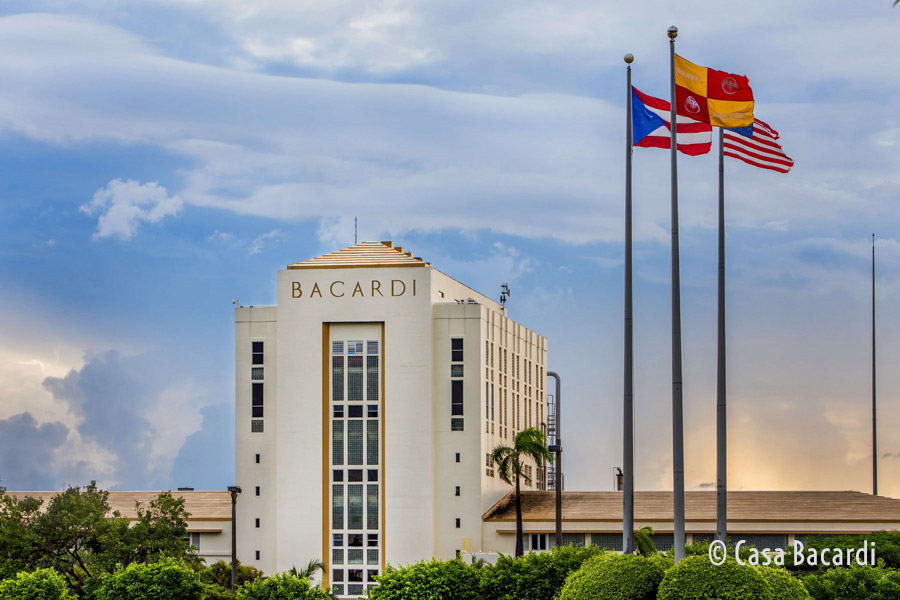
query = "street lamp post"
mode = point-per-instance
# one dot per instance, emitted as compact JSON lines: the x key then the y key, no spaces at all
{"x":557,"y":449}
{"x":234,"y":490}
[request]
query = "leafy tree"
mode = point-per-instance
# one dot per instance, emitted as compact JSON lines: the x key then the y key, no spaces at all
{"x":535,"y":576}
{"x":854,"y":583}
{"x":43,"y":584}
{"x":219,"y":573}
{"x":20,"y":546}
{"x":447,"y":580}
{"x":283,"y":586}
{"x":696,"y":578}
{"x":78,"y":535}
{"x":168,"y":579}
{"x":614,"y":577}
{"x":528,"y":443}
{"x":784,"y":585}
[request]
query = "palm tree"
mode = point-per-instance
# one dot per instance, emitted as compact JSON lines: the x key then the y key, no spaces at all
{"x":528,"y":443}
{"x":312,"y":567}
{"x":644,"y":542}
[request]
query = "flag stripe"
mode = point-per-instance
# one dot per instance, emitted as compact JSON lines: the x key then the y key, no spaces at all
{"x":759,"y":151}
{"x":756,"y":163}
{"x":773,"y":158}
{"x":694,"y":137}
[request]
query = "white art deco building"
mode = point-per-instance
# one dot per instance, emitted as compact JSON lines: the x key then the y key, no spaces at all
{"x":367,"y":403}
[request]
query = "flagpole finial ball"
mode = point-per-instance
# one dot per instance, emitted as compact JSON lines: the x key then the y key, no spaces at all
{"x":629,"y":58}
{"x":673,"y":32}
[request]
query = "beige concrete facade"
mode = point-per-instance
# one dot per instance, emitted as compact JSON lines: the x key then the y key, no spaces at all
{"x":437,"y":376}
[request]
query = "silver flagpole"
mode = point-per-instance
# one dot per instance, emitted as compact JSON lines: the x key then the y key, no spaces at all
{"x":628,"y":427}
{"x":874,"y":420}
{"x":721,"y":431}
{"x":677,"y":404}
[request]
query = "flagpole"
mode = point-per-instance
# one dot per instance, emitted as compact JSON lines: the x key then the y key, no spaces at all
{"x":677,"y":404}
{"x":628,"y":426}
{"x":874,"y":420}
{"x":721,"y":422}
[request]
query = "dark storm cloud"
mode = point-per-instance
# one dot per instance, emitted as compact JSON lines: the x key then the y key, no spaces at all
{"x":26,"y":453}
{"x":111,"y":393}
{"x":206,"y":460}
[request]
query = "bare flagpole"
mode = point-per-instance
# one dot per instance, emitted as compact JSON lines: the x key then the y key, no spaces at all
{"x":874,"y":420}
{"x":677,"y":401}
{"x":721,"y":421}
{"x":628,"y":426}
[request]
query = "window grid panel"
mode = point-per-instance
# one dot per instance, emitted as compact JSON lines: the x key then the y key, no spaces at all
{"x":372,"y":556}
{"x":354,"y":507}
{"x":354,"y":378}
{"x":337,"y":442}
{"x":573,"y":539}
{"x":355,"y":556}
{"x":256,"y":426}
{"x":607,"y":541}
{"x":337,"y":506}
{"x":372,"y":386}
{"x":372,"y":506}
{"x":372,"y":442}
{"x":355,"y":442}
{"x":256,"y":373}
{"x":337,"y":556}
{"x":337,"y":378}
{"x":372,"y":347}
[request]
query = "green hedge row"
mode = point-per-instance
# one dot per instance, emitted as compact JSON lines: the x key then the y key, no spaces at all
{"x":563,"y":574}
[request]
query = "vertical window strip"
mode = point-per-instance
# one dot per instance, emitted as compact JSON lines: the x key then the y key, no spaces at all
{"x":372,"y":506}
{"x":456,"y":397}
{"x":354,"y":442}
{"x":337,"y":506}
{"x":337,"y":442}
{"x":337,"y":378}
{"x":372,"y":442}
{"x":354,"y":507}
{"x":355,"y":378}
{"x":372,"y":386}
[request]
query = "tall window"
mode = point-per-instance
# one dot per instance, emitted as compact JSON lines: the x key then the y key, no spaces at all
{"x":456,"y":350}
{"x":355,"y":458}
{"x":257,"y":400}
{"x":257,"y":352}
{"x":456,"y":384}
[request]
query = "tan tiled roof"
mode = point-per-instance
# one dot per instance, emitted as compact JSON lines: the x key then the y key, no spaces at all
{"x":203,"y":506}
{"x":848,"y":507}
{"x":366,"y":254}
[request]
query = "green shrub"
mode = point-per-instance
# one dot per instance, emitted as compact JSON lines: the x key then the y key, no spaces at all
{"x":534,"y":576}
{"x":614,"y":577}
{"x":282,"y":586}
{"x":428,"y":580}
{"x":784,"y":586}
{"x":695,"y":578}
{"x":43,"y":584}
{"x":169,"y":579}
{"x":852,"y":583}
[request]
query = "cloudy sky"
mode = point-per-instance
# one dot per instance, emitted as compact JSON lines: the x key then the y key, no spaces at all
{"x":160,"y":158}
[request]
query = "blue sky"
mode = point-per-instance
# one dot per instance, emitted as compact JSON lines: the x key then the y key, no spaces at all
{"x":159,"y":159}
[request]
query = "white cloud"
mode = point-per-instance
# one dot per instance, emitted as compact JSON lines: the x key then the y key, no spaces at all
{"x":124,"y":205}
{"x":274,"y":237}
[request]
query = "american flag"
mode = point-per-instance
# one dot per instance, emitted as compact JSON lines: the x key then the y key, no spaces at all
{"x":760,"y":151}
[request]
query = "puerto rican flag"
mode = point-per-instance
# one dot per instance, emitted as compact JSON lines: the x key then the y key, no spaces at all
{"x":651,"y":126}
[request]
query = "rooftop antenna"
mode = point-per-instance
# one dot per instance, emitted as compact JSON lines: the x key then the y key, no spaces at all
{"x":355,"y":241}
{"x":504,"y":294}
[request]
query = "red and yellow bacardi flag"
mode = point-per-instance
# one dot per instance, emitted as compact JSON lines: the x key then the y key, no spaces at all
{"x":715,"y":97}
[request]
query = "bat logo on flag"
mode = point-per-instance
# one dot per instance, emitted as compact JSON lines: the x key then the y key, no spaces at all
{"x":729,"y":86}
{"x":691,"y":105}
